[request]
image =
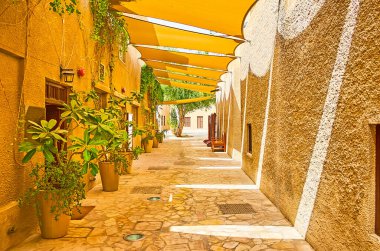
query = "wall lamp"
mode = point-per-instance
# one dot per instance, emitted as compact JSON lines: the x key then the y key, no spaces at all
{"x":67,"y":75}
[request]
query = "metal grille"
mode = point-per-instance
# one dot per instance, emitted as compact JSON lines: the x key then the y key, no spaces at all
{"x":236,"y":208}
{"x":146,"y":190}
{"x":158,"y":168}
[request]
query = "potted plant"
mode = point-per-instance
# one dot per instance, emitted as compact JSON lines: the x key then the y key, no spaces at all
{"x":58,"y":176}
{"x":104,"y":127}
{"x":148,"y":142}
{"x":155,"y":140}
{"x":160,"y":136}
{"x":58,"y":185}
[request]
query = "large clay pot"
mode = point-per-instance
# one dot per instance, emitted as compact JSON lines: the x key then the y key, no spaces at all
{"x":110,"y":178}
{"x":148,"y":146}
{"x":155,"y":142}
{"x":129,"y":157}
{"x":51,"y":228}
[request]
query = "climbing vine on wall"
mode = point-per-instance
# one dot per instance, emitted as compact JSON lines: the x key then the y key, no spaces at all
{"x":109,"y":29}
{"x":150,"y":85}
{"x":64,"y":6}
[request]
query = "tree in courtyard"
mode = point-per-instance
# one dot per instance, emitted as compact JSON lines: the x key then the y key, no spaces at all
{"x":174,"y":93}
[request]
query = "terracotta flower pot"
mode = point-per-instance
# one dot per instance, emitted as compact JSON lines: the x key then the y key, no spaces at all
{"x":155,"y":142}
{"x":129,"y":158}
{"x":51,"y":228}
{"x":148,"y":146}
{"x":161,"y":139}
{"x":110,"y":178}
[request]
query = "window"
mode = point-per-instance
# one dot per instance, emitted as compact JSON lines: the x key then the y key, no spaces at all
{"x":55,"y":93}
{"x":187,"y":121}
{"x":55,"y":96}
{"x":163,"y":120}
{"x":102,"y":102}
{"x":249,"y":137}
{"x":200,"y":122}
{"x":135,"y":113}
{"x":130,"y":131}
{"x":377,"y":175}
{"x":102,"y":70}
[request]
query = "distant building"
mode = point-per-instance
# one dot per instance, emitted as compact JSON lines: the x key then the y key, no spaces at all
{"x":198,"y":119}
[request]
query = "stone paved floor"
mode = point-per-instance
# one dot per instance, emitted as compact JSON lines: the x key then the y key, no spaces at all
{"x":187,"y":217}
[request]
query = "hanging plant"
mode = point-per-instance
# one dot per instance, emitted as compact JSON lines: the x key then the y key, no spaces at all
{"x":108,"y":27}
{"x":149,"y":84}
{"x":147,"y":79}
{"x":64,"y":6}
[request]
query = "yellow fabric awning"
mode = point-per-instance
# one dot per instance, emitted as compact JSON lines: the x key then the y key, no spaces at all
{"x":165,"y":74}
{"x":224,"y":16}
{"x":145,"y":33}
{"x":185,"y":69}
{"x":201,"y":60}
{"x":186,"y":101}
{"x":199,"y":88}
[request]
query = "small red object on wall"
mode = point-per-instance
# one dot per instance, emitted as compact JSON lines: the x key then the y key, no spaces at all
{"x":123,"y":90}
{"x":80,"y":72}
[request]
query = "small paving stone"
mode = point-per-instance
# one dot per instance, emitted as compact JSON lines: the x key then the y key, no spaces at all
{"x":184,"y":219}
{"x":230,"y":245}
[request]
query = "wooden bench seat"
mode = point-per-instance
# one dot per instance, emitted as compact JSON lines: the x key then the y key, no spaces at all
{"x":218,"y":144}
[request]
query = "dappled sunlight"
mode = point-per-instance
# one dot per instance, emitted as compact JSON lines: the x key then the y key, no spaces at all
{"x":219,"y":168}
{"x":242,"y":231}
{"x":218,"y":186}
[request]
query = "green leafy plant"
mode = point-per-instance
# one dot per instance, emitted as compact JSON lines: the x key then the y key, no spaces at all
{"x":59,"y":175}
{"x":177,"y":115}
{"x":149,"y":85}
{"x":108,"y":27}
{"x":137,"y":151}
{"x":160,"y":136}
{"x":64,"y":6}
{"x":149,"y":136}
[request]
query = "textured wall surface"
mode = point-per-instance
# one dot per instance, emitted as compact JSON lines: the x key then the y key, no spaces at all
{"x":321,"y":47}
{"x":255,"y":113}
{"x":301,"y":74}
{"x":32,"y":48}
{"x":345,"y":201}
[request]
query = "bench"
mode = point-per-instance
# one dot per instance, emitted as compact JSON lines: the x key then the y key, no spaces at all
{"x":218,"y":143}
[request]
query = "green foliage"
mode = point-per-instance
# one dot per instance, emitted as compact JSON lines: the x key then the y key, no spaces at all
{"x":108,"y":27}
{"x":149,"y":136}
{"x":63,"y":182}
{"x":173,"y":118}
{"x":137,"y":151}
{"x":174,"y":93}
{"x":64,"y":6}
{"x":147,"y":79}
{"x":177,"y":119}
{"x":149,"y":84}
{"x":160,"y":136}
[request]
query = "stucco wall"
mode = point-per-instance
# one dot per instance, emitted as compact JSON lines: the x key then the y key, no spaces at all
{"x":320,"y":78}
{"x":345,"y":201}
{"x":255,"y":112}
{"x":205,"y":112}
{"x":33,"y":46}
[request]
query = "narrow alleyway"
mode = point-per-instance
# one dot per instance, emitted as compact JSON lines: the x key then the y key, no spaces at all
{"x":193,"y":184}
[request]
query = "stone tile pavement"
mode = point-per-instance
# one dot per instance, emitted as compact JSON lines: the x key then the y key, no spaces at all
{"x":194,"y":182}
